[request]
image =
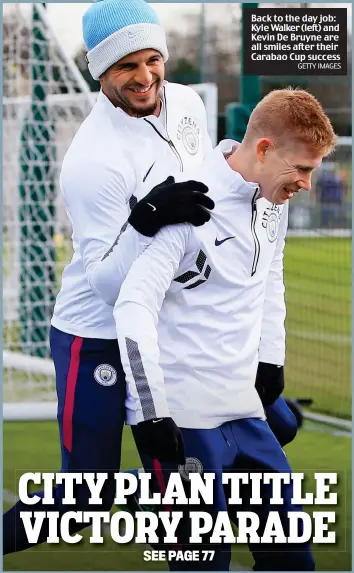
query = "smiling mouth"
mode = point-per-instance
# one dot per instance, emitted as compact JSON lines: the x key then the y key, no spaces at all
{"x":289,"y":192}
{"x":141,"y":91}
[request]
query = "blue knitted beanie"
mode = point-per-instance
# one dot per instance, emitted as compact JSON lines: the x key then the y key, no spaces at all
{"x":113,"y":29}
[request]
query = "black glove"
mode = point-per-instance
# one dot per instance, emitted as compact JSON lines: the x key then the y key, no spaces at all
{"x":269,"y":382}
{"x":160,"y":439}
{"x":169,"y":203}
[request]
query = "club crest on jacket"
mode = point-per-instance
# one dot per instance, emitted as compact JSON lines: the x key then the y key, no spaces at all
{"x":188,"y":132}
{"x":270,"y":222}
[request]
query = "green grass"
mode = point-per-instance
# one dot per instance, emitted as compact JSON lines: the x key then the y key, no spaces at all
{"x":34,"y":447}
{"x":318,"y":295}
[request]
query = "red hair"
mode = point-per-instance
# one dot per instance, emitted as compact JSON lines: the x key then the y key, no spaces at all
{"x":292,"y":114}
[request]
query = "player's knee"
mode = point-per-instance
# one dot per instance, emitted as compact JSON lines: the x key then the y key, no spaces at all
{"x":283,"y":422}
{"x":288,"y":430}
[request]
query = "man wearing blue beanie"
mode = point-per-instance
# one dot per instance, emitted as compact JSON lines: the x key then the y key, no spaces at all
{"x":111,"y":33}
{"x":138,"y":124}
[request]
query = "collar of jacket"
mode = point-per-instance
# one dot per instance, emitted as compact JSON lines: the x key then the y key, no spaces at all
{"x":221,"y":170}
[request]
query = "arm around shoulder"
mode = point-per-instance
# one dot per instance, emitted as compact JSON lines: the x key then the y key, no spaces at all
{"x":97,"y":199}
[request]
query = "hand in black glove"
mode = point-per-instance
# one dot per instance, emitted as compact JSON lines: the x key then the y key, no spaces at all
{"x":169,"y":203}
{"x":269,"y":382}
{"x":160,"y":439}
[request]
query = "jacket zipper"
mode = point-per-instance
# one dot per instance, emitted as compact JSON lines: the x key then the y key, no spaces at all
{"x":168,"y":140}
{"x":170,"y":143}
{"x":257,"y":246}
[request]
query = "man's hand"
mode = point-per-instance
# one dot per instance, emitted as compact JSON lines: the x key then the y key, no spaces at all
{"x":170,"y":203}
{"x":269,"y":382}
{"x":160,"y":439}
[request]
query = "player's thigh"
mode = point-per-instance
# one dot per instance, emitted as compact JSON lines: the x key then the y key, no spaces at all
{"x":91,"y":394}
{"x":257,"y":446}
{"x":258,"y":451}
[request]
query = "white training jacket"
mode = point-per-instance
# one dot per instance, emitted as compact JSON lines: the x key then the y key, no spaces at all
{"x":201,"y":306}
{"x":113,"y":161}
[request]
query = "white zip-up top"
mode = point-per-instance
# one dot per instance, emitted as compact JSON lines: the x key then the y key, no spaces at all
{"x":113,"y":161}
{"x":201,"y":306}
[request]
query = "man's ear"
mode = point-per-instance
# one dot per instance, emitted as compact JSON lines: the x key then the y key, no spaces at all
{"x":101,"y":78}
{"x":263,"y":146}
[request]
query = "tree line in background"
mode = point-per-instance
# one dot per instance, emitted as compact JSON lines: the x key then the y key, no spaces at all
{"x":214,"y":56}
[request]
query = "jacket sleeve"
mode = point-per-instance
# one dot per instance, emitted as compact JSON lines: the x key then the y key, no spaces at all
{"x":136,"y":316}
{"x":272,"y":344}
{"x":97,"y":200}
{"x":207,"y":142}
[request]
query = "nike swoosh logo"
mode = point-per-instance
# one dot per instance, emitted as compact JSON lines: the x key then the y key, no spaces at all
{"x":133,"y":34}
{"x":152,"y":207}
{"x":155,"y":421}
{"x":148,"y":172}
{"x":218,"y":243}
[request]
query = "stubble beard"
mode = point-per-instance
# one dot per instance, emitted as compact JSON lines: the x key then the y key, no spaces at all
{"x":120,"y":100}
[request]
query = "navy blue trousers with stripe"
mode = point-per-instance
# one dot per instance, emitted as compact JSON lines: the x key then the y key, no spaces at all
{"x":243,"y":445}
{"x":91,"y":417}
